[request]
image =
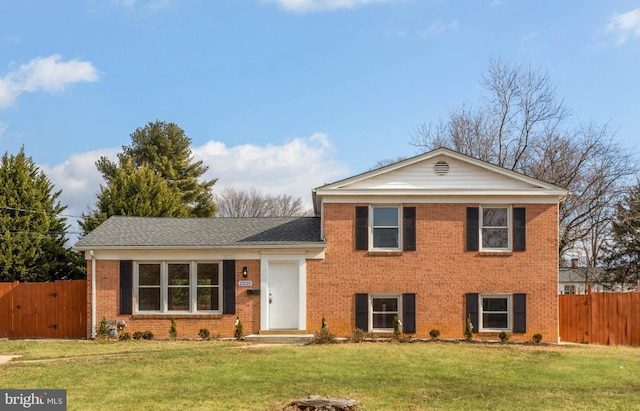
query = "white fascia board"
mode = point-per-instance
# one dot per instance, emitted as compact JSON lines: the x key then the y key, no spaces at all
{"x":158,"y":254}
{"x":441,"y":192}
{"x":442,"y":199}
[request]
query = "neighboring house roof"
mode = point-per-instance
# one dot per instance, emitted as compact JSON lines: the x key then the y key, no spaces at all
{"x":441,"y":172}
{"x":581,"y":275}
{"x":162,"y":232}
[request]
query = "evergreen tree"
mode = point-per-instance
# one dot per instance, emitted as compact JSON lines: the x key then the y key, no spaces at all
{"x":623,"y":259}
{"x":167,"y":150}
{"x":135,"y":191}
{"x":32,"y":231}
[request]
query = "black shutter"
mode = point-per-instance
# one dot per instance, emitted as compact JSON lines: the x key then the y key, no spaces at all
{"x":229,"y":287}
{"x":519,"y":313}
{"x":472,"y":310}
{"x":409,"y":228}
{"x":473,"y":215}
{"x":126,"y":287}
{"x":409,"y":313}
{"x":362,"y":312}
{"x":519,"y":229}
{"x":362,"y":228}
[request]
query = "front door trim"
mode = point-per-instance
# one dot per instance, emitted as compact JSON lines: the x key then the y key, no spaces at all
{"x":300,"y":260}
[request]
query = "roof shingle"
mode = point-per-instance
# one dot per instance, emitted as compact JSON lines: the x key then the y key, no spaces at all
{"x":163,"y":232}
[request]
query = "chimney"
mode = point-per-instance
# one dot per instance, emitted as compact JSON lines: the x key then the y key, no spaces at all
{"x":574,"y":263}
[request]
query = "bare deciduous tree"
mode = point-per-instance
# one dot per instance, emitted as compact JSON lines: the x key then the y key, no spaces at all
{"x":231,"y":202}
{"x":521,"y":125}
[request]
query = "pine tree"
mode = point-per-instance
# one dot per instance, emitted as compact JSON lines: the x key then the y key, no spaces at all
{"x":32,"y":231}
{"x":623,"y":257}
{"x":166,"y":149}
{"x":135,"y":191}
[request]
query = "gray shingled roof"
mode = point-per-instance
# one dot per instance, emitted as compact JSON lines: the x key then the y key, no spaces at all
{"x":160,"y":232}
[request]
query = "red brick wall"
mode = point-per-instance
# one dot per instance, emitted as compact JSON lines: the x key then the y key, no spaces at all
{"x":188,"y":326}
{"x":440,"y":272}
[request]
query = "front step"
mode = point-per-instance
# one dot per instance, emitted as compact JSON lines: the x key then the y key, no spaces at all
{"x":279,"y":338}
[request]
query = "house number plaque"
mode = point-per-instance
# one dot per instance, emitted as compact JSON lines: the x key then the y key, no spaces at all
{"x":245,"y":283}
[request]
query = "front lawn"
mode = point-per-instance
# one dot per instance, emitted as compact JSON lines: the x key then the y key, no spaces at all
{"x":211,"y":375}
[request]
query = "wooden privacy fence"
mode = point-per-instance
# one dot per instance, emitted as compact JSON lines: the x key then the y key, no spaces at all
{"x":43,"y":310}
{"x":600,"y":318}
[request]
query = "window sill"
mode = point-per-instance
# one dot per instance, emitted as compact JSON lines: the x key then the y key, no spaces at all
{"x":175,"y":316}
{"x":380,"y":253}
{"x":496,"y":253}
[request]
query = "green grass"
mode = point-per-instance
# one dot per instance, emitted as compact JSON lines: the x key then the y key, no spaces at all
{"x":213,"y":375}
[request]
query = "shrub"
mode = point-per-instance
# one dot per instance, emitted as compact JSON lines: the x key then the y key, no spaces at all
{"x":323,"y":336}
{"x":103,"y":330}
{"x":143,"y":335}
{"x":173,"y":331}
{"x":504,"y":337}
{"x":468,"y":331}
{"x":204,"y":334}
{"x":536,"y":338}
{"x":124,"y":336}
{"x":357,"y":336}
{"x":239,"y":332}
{"x":435,"y":333}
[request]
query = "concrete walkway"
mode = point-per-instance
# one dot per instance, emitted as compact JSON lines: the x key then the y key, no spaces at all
{"x":6,"y":358}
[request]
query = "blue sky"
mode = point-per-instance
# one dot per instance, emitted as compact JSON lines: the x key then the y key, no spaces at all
{"x":284,"y":95}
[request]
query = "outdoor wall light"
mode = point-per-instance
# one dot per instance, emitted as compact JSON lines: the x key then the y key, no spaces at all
{"x":245,"y":271}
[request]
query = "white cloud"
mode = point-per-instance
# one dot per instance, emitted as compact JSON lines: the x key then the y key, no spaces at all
{"x":625,"y":25}
{"x":79,"y":181}
{"x":152,"y":5}
{"x":293,"y":168}
{"x":437,"y":28}
{"x":303,"y":6}
{"x":48,"y":74}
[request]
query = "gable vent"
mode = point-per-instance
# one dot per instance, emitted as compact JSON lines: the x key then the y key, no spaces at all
{"x":441,"y":168}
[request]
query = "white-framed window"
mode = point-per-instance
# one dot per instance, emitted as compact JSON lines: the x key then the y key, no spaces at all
{"x":385,"y":228}
{"x":177,"y":287}
{"x":149,"y":287}
{"x":208,"y":287}
{"x":383,"y":309}
{"x":495,"y":228}
{"x":569,"y":289}
{"x":496,"y":312}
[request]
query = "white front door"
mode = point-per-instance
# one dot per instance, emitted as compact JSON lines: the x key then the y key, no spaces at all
{"x":283,"y":295}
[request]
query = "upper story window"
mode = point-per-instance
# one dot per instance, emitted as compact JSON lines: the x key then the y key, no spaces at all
{"x":188,"y":287}
{"x":495,"y":229}
{"x":385,"y":228}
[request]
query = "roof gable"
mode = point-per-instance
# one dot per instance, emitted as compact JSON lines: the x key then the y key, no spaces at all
{"x":441,"y":172}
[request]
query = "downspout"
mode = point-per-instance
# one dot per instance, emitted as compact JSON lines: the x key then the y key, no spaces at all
{"x":93,"y":295}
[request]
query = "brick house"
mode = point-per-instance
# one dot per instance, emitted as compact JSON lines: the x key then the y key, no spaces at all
{"x":431,"y":239}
